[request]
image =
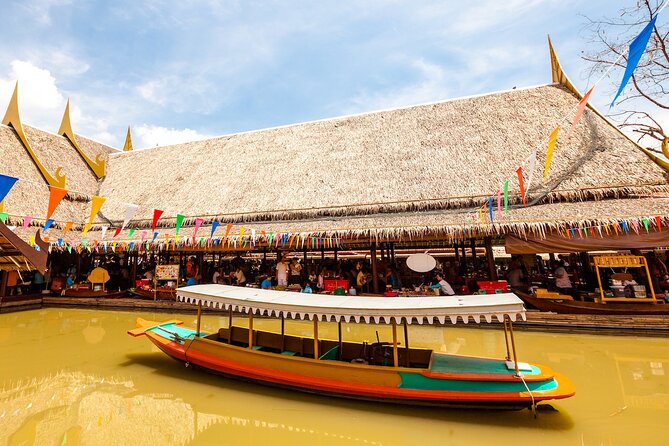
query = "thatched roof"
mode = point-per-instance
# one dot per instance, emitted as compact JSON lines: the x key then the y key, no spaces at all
{"x":450,"y":154}
{"x":30,"y":194}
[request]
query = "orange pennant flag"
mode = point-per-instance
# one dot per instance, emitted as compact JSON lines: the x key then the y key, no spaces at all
{"x":579,"y":111}
{"x":56,"y":195}
{"x":96,"y":204}
{"x":228,"y":228}
{"x":552,"y":140}
{"x":519,"y":171}
{"x":68,"y":226}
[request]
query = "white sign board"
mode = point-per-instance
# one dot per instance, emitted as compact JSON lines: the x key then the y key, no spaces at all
{"x":421,"y":263}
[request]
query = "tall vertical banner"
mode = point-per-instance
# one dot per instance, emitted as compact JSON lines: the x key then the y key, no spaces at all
{"x":56,"y":195}
{"x":636,"y":50}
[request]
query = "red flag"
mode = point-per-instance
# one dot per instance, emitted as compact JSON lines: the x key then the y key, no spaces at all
{"x":519,"y":171}
{"x":117,"y":232}
{"x":156,"y":215}
{"x":579,"y":111}
{"x":658,"y":220}
{"x":56,"y":195}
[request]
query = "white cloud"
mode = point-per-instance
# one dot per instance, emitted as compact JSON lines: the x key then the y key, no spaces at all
{"x":40,"y":101}
{"x":146,"y":136}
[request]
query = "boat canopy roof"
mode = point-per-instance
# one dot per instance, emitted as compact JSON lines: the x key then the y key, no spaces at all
{"x":326,"y":307}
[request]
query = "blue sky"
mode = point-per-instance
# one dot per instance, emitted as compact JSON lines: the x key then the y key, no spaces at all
{"x":182,"y":70}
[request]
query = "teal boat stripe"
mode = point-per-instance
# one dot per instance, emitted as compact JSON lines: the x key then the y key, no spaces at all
{"x":444,"y":363}
{"x":181,"y":331}
{"x":417,"y":381}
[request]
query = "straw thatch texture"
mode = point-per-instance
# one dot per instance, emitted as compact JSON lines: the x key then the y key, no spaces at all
{"x":30,"y":195}
{"x":453,"y":223}
{"x":444,"y":155}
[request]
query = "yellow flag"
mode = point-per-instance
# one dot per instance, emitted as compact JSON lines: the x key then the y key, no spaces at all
{"x":2,"y":206}
{"x":552,"y":140}
{"x":87,"y":227}
{"x":32,"y":240}
{"x":95,"y":207}
{"x":241,"y":232}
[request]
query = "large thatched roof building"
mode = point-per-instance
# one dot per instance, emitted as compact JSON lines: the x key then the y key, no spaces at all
{"x":419,"y":171}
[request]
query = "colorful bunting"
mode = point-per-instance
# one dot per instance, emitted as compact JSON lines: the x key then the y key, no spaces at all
{"x":26,"y":221}
{"x":103,"y":232}
{"x":68,"y":226}
{"x":506,"y":198}
{"x":658,"y":222}
{"x":131,"y":232}
{"x":6,"y":184}
{"x":198,"y":223}
{"x":47,"y":225}
{"x":636,"y":50}
{"x":130,"y":212}
{"x":490,"y":209}
{"x":96,"y":204}
{"x":56,"y":195}
{"x":228,"y":228}
{"x":117,"y":231}
{"x":519,"y":172}
{"x":87,"y":227}
{"x":579,"y":111}
{"x":180,"y":220}
{"x":156,"y":215}
{"x":552,"y":140}
{"x":214,"y":225}
{"x":3,"y":217}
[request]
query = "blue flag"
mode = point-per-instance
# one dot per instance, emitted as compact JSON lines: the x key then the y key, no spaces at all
{"x":214,"y":225}
{"x":490,"y":208}
{"x":637,"y":48}
{"x":47,"y":225}
{"x":6,"y":184}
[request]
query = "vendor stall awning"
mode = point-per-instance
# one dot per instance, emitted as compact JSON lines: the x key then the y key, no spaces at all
{"x":553,"y":242}
{"x":434,"y":309}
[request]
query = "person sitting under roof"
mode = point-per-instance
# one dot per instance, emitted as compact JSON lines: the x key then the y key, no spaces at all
{"x":266,"y":284}
{"x":444,"y":287}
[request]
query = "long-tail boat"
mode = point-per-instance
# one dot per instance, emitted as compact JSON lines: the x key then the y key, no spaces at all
{"x":380,"y":371}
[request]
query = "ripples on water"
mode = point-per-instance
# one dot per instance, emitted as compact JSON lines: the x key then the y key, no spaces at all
{"x":72,"y":377}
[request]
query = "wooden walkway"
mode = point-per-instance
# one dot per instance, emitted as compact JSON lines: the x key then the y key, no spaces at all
{"x":537,"y":321}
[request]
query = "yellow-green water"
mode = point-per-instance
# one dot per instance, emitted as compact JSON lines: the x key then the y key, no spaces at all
{"x":75,"y":377}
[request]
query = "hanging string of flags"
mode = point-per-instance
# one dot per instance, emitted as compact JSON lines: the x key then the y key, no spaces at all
{"x":635,"y":52}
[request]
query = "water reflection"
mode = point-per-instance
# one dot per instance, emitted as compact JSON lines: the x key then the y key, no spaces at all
{"x":75,"y":377}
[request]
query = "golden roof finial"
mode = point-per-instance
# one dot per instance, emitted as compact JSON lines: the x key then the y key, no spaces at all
{"x":98,"y":166}
{"x":13,"y":119}
{"x":127,"y":147}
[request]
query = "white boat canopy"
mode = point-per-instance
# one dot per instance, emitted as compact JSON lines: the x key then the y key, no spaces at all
{"x":326,"y":307}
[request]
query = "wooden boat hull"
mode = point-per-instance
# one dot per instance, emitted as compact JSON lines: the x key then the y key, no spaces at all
{"x":487,"y":383}
{"x":71,"y":292}
{"x":580,"y":307}
{"x":159,"y":294}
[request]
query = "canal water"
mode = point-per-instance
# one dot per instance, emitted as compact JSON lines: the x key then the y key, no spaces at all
{"x":70,"y":376}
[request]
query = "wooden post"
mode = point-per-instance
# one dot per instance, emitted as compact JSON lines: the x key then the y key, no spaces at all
{"x":392,"y":252}
{"x":230,"y":324}
{"x":395,"y":355}
{"x":316,"y":355}
{"x":3,"y":284}
{"x":506,"y":340}
{"x":283,"y":333}
{"x":492,"y":271}
{"x":250,"y":328}
{"x":341,"y":344}
{"x":472,"y":245}
{"x":406,"y":344}
{"x":513,"y":347}
{"x":463,"y":263}
{"x":335,"y":254}
{"x":375,"y":283}
{"x":199,"y":318}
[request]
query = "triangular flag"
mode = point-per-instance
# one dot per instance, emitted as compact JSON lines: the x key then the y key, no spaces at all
{"x":56,"y":195}
{"x":68,"y":226}
{"x":47,"y":225}
{"x":519,"y":172}
{"x":241,"y":232}
{"x":658,"y":222}
{"x":117,"y":231}
{"x":552,"y":140}
{"x":156,"y":215}
{"x":31,"y":240}
{"x":6,"y":184}
{"x":96,"y":204}
{"x":506,"y":198}
{"x":3,"y":217}
{"x":103,"y":230}
{"x":228,"y":228}
{"x":214,"y":225}
{"x":579,"y":111}
{"x":490,"y":209}
{"x":533,"y":162}
{"x":180,"y":220}
{"x":155,"y":236}
{"x":645,"y":223}
{"x":26,"y":221}
{"x":87,"y":227}
{"x":198,"y":223}
{"x":60,"y":241}
{"x":131,"y":232}
{"x":130,"y":212}
{"x":142,"y":237}
{"x":636,"y":50}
